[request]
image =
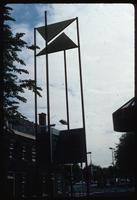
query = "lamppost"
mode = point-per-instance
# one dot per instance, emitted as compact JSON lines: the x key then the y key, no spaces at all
{"x":90,"y":161}
{"x":90,"y":156}
{"x":113,"y":164}
{"x":90,"y":168}
{"x":112,"y":149}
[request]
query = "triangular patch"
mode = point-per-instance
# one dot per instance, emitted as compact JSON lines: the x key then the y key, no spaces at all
{"x":63,"y":42}
{"x":54,"y":29}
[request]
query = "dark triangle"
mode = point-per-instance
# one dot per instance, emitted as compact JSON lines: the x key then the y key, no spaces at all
{"x":54,"y":29}
{"x":63,"y":42}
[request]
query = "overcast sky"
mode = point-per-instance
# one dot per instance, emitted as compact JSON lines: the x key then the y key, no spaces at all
{"x":107,"y":54}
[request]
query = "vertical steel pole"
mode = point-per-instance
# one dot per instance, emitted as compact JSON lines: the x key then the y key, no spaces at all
{"x":135,"y":78}
{"x":82,"y":99}
{"x":91,"y":164}
{"x":135,"y":54}
{"x":35,"y":80}
{"x":67,"y":111}
{"x":66,"y":89}
{"x":36,"y":121}
{"x":47,"y":80}
{"x":48,"y":112}
{"x":80,"y":72}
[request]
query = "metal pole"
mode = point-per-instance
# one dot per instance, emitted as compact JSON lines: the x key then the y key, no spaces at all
{"x":48,"y":112}
{"x":47,"y":79}
{"x":82,"y":99}
{"x":135,"y":77}
{"x":112,"y":149}
{"x":66,"y":89}
{"x":91,"y":165}
{"x":80,"y":72}
{"x":36,"y":121}
{"x":113,"y":164}
{"x":135,"y":54}
{"x":35,"y":81}
{"x":90,"y":160}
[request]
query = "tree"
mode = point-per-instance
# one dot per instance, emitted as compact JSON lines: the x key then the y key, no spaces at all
{"x":14,"y":66}
{"x":125,"y":155}
{"x":11,"y":87}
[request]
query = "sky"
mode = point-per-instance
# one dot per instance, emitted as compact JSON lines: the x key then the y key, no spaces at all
{"x":107,"y":56}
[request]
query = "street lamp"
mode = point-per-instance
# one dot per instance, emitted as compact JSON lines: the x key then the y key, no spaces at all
{"x":112,"y":149}
{"x":90,"y":162}
{"x":90,"y":156}
{"x":113,"y":164}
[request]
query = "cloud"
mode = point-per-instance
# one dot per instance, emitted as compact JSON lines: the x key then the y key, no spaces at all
{"x":107,"y":55}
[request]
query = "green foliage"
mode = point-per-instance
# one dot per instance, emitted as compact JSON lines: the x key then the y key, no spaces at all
{"x":13,"y":67}
{"x":125,"y":154}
